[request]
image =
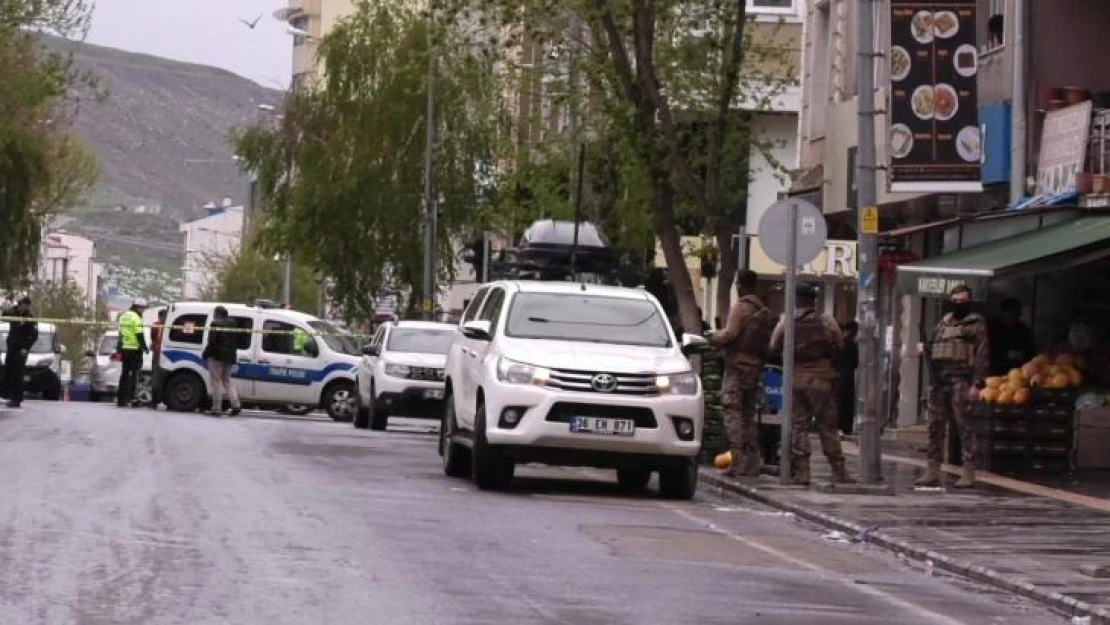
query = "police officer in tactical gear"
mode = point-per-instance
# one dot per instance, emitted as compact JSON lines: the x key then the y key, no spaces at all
{"x":817,"y":339}
{"x":744,"y":342}
{"x":959,"y":355}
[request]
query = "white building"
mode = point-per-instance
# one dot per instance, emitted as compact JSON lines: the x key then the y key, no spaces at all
{"x":208,"y":240}
{"x":70,"y":258}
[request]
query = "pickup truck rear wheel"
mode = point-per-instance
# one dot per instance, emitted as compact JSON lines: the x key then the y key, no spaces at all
{"x":679,"y":481}
{"x":633,"y":479}
{"x":492,"y":470}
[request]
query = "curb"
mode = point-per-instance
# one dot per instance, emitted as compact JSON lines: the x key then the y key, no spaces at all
{"x":1068,"y":606}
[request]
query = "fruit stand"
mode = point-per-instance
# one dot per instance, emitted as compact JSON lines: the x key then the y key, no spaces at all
{"x":1026,"y":421}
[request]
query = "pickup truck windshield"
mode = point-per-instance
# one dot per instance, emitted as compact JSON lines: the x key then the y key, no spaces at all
{"x":590,"y":318}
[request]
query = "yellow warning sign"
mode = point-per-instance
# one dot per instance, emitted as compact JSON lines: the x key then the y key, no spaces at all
{"x":869,"y":220}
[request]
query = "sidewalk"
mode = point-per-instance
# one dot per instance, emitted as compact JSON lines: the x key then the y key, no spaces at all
{"x":1021,"y":537}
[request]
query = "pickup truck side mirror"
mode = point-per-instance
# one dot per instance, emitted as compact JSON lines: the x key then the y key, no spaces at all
{"x":694,"y":344}
{"x":90,"y":354}
{"x":311,"y":349}
{"x":479,"y":330}
{"x":371,"y":350}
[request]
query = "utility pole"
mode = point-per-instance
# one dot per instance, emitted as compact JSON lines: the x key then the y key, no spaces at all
{"x":870,"y":467}
{"x":577,"y":28}
{"x":287,"y":282}
{"x":1017,"y":103}
{"x":430,"y":216}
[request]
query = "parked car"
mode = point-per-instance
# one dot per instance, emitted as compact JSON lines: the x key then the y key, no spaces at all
{"x":106,"y":366}
{"x":402,"y":372}
{"x":41,"y":377}
{"x":270,"y":371}
{"x":571,"y":374}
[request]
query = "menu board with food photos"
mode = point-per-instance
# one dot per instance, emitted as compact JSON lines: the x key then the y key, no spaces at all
{"x":935,"y":142}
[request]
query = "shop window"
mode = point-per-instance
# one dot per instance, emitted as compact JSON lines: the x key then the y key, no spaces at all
{"x":771,"y":6}
{"x":188,"y":329}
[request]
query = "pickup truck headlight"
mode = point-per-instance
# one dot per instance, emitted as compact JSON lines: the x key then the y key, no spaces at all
{"x":678,"y":383}
{"x":395,"y":370}
{"x":511,"y":372}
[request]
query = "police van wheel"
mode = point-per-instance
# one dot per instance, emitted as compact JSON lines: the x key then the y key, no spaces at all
{"x":339,"y":401}
{"x":184,"y":393}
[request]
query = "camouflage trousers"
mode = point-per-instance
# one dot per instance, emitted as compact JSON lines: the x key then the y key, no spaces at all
{"x":949,"y":399}
{"x":815,"y":407}
{"x":740,"y":399}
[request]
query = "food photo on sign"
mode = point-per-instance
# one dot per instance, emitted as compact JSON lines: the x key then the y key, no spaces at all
{"x":935,"y":141}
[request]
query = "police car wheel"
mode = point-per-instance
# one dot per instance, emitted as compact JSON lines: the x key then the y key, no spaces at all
{"x":184,"y":393}
{"x":339,"y":401}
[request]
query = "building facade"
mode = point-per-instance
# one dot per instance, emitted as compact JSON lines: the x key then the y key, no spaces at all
{"x":208,"y":241}
{"x":70,"y":258}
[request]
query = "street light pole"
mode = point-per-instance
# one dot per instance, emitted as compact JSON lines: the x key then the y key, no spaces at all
{"x":287,"y":282}
{"x":870,"y":468}
{"x":430,"y":221}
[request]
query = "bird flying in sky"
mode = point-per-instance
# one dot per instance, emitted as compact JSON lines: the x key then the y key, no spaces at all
{"x":251,"y":25}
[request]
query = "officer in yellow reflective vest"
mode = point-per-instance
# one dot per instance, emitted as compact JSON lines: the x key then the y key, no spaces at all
{"x":300,"y":340}
{"x":132,"y":346}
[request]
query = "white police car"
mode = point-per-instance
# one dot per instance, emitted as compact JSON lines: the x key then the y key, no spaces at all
{"x":402,"y":372}
{"x":271,"y":371}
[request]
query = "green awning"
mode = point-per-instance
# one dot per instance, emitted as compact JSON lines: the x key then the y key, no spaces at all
{"x":1038,"y":251}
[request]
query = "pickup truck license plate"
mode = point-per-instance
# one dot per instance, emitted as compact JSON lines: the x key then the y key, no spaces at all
{"x":602,"y":426}
{"x":434,"y":393}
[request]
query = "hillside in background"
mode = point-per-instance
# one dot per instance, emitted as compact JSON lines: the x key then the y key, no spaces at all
{"x":162,"y":134}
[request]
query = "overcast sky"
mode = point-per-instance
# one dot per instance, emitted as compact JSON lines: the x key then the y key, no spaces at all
{"x":201,"y":31}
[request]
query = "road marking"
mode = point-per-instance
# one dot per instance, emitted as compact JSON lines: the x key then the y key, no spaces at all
{"x":923,"y":613}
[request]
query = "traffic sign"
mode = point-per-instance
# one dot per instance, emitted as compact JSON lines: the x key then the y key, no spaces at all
{"x":869,"y":220}
{"x":775,"y":232}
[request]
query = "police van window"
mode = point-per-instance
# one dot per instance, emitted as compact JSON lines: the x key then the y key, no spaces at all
{"x":471,"y":311}
{"x":491,"y":312}
{"x":188,"y":329}
{"x":285,"y":338}
{"x":243,"y":339}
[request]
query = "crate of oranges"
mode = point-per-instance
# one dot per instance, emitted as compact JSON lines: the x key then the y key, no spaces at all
{"x":1044,"y":378}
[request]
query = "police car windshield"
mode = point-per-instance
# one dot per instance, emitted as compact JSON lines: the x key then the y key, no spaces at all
{"x":44,"y":344}
{"x":419,"y":341}
{"x":589,"y":318}
{"x":336,"y":339}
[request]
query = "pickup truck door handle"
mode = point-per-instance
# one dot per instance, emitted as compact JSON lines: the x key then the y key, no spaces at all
{"x":246,"y":361}
{"x":263,"y":362}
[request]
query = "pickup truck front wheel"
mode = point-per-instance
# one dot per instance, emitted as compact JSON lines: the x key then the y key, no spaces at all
{"x":680,"y":481}
{"x":492,"y":470}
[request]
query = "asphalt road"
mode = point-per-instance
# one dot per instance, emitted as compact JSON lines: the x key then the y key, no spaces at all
{"x":131,"y":516}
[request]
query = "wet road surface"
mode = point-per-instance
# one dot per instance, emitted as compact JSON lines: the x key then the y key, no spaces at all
{"x":132,"y":516}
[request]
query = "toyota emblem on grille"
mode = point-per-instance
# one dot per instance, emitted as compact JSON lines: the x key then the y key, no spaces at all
{"x":604,"y":383}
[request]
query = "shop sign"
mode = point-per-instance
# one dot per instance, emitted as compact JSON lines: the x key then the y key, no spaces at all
{"x":934,"y":134}
{"x":836,"y":260}
{"x":939,"y":286}
{"x":1063,"y":148}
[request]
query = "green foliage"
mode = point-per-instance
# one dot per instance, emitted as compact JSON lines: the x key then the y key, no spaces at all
{"x":64,"y":300}
{"x":664,"y":89}
{"x":342,"y":175}
{"x":251,"y":275}
{"x":41,"y":166}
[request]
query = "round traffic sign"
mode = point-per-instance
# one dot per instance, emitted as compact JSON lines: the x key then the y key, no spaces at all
{"x":774,"y":232}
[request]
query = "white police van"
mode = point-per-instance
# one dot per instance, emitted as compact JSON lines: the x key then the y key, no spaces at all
{"x":270,"y":371}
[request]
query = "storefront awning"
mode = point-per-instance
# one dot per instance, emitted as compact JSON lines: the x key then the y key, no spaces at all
{"x":1039,"y":251}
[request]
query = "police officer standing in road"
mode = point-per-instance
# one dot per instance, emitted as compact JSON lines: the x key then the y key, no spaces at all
{"x":21,"y":337}
{"x":817,"y":339}
{"x":960,"y":358}
{"x":132,"y":346}
{"x":744,"y":341}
